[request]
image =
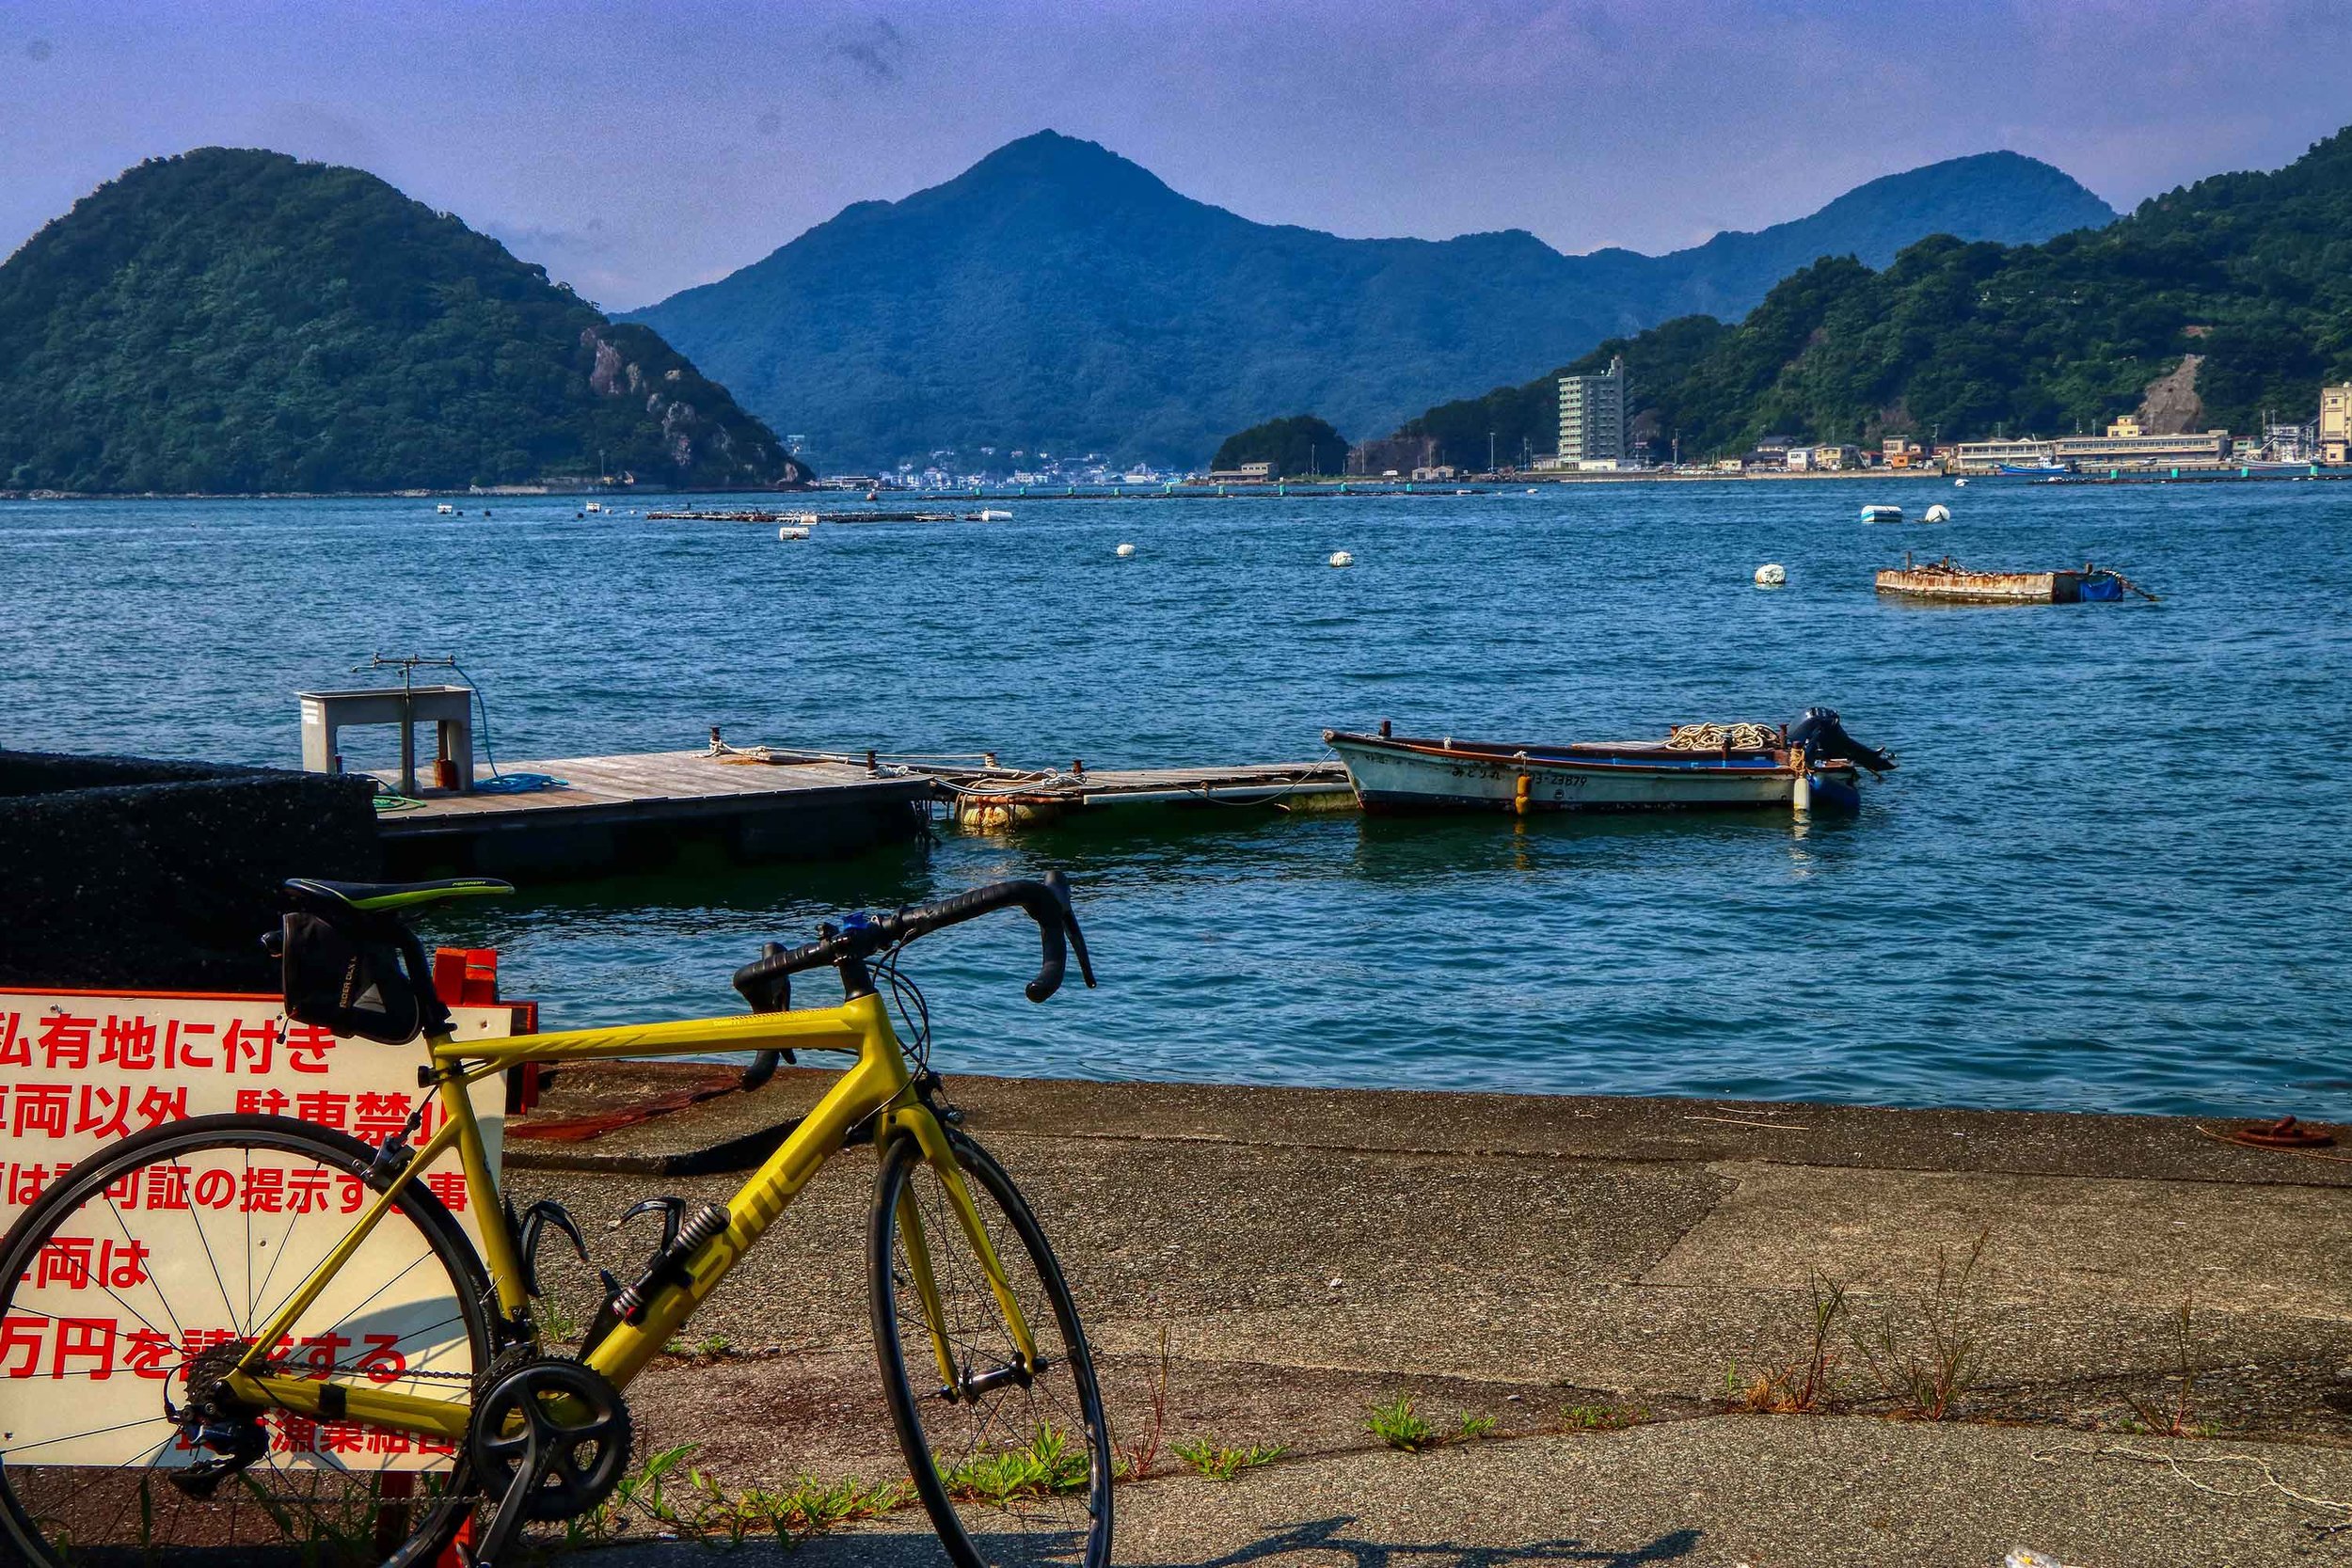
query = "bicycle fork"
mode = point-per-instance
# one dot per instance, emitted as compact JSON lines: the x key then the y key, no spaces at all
{"x":938,"y":1153}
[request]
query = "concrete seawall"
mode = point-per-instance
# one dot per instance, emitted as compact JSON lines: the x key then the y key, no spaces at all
{"x":123,"y":871}
{"x":1610,"y":1281}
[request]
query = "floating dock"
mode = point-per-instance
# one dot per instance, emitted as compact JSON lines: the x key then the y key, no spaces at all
{"x":995,"y":798}
{"x":634,"y":812}
{"x":622,"y":812}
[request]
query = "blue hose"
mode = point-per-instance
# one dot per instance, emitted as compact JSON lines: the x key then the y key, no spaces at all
{"x":518,"y":783}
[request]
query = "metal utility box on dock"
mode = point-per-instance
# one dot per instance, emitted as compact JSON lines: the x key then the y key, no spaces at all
{"x":449,"y":708}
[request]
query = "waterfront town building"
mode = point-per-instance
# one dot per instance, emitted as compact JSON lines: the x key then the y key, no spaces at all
{"x":2026,"y":453}
{"x":1248,"y":473}
{"x":1825,"y":459}
{"x":2335,"y":422}
{"x":2125,"y":445}
{"x":1900,"y":451}
{"x":1592,"y":419}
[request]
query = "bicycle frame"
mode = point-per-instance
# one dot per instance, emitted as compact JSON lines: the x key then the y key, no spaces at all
{"x":876,"y":1088}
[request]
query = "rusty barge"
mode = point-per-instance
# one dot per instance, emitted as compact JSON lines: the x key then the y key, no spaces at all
{"x":1949,"y":581}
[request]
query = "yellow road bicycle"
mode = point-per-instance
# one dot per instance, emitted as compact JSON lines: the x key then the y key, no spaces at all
{"x":241,"y":1340}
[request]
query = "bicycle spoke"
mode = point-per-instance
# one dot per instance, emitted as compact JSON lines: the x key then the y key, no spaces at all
{"x":213,"y":1263}
{"x":248,"y":1207}
{"x":151,"y":1280}
{"x":271,"y":1272}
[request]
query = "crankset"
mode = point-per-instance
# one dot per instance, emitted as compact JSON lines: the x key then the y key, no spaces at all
{"x":550,"y":1439}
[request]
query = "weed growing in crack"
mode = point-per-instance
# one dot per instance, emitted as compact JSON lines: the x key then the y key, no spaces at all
{"x":1044,"y":1465}
{"x":1399,"y":1425}
{"x":1136,"y":1460}
{"x":1927,"y":1360}
{"x":684,"y":1502}
{"x":2170,"y":1418}
{"x":1602,"y":1417}
{"x":1807,"y":1383}
{"x":1217,"y":1461}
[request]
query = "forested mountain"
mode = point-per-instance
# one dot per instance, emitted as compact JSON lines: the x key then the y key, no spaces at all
{"x":1297,"y":444}
{"x":2237,"y":288}
{"x":1055,"y":295}
{"x":233,"y":320}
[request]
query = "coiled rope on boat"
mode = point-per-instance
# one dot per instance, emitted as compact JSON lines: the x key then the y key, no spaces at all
{"x":1723,"y":737}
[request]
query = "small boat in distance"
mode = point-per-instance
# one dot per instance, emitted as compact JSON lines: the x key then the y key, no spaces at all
{"x":1882,"y":514}
{"x":1813,"y":762}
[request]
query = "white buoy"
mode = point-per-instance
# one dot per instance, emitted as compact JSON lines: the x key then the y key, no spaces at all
{"x":1770,"y":575}
{"x":1340,"y":558}
{"x":789,"y":532}
{"x":1960,"y":484}
{"x":1939,"y":512}
{"x":1126,"y":551}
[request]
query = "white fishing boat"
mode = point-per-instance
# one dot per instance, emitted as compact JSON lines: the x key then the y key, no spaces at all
{"x":1812,"y":764}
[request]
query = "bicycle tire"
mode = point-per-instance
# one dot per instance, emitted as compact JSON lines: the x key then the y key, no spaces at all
{"x":116,"y":1519}
{"x":1042,"y":1520}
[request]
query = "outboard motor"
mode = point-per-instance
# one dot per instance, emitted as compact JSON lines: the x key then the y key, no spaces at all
{"x":1818,"y":734}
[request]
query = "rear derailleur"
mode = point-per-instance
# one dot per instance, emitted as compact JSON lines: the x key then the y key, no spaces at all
{"x":214,"y":1423}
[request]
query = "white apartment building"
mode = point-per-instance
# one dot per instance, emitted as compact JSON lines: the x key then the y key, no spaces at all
{"x":1593,"y":417}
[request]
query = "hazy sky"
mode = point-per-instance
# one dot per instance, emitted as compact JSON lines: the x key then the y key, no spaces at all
{"x":635,"y":149}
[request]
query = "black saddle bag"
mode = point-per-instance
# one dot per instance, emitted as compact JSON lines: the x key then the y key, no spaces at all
{"x":350,"y":980}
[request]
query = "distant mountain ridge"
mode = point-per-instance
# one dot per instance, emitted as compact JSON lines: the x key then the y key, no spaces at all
{"x":2218,"y":303}
{"x":2004,"y":196}
{"x":233,"y":320}
{"x":1056,"y":295}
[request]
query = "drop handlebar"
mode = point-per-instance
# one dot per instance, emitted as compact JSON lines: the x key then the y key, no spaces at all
{"x":765,"y":981}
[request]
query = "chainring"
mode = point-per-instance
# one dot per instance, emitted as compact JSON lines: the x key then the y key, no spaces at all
{"x":567,"y":1413}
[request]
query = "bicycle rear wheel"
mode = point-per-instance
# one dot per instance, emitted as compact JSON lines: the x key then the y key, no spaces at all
{"x":1019,"y":1474}
{"x":176,"y":1246}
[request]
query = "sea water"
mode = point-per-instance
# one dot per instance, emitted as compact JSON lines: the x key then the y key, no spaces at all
{"x":2111,"y":873}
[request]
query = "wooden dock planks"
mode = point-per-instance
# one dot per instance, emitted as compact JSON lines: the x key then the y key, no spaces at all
{"x":650,"y":784}
{"x":635,"y":812}
{"x":626,"y":809}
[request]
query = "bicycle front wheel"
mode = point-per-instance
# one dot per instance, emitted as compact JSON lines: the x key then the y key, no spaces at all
{"x":162,"y":1256}
{"x":1013,"y":1463}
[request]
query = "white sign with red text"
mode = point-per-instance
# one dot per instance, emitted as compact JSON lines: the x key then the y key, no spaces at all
{"x":187,"y":1253}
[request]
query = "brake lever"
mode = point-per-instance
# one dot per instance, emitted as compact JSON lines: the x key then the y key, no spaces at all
{"x":1059,"y":886}
{"x":779,"y":997}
